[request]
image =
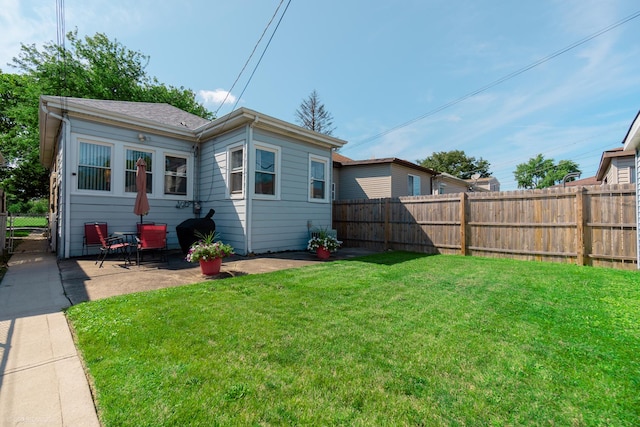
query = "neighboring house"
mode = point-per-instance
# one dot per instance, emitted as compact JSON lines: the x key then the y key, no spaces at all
{"x":268,"y":180}
{"x":632,"y":144}
{"x":379,"y":178}
{"x":592,"y":180}
{"x":617,"y":166}
{"x":446,"y":183}
{"x":489,"y":183}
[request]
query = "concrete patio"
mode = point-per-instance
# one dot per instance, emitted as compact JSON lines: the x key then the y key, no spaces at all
{"x":83,"y":280}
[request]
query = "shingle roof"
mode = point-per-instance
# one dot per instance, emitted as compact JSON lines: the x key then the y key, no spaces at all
{"x":337,"y":157}
{"x":386,"y":160}
{"x":592,"y":180}
{"x":164,"y":114}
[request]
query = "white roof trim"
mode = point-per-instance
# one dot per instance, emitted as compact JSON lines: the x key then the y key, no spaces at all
{"x":243,"y":116}
{"x":632,"y":139}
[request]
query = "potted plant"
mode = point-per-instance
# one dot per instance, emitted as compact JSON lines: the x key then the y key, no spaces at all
{"x":323,"y":243}
{"x":209,"y":251}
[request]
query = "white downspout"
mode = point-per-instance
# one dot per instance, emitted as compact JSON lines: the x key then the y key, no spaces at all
{"x":249,"y":184}
{"x":66,"y":180}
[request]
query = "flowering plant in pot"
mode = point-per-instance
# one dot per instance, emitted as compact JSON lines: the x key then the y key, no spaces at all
{"x":209,"y":251}
{"x":323,"y":243}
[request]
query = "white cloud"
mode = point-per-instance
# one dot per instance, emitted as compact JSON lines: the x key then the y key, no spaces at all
{"x":22,"y":22}
{"x":216,"y":97}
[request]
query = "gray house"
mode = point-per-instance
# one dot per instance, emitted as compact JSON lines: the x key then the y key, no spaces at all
{"x":632,"y":144}
{"x":268,"y":180}
{"x":379,"y":178}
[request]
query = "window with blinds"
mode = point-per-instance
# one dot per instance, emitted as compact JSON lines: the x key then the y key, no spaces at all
{"x":94,"y":167}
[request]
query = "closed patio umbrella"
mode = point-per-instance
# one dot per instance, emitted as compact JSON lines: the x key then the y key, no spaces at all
{"x":141,"y":206}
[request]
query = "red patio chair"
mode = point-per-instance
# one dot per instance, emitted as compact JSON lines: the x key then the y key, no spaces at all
{"x":111,"y":245}
{"x":91,"y":237}
{"x":140,"y":224}
{"x":152,"y":237}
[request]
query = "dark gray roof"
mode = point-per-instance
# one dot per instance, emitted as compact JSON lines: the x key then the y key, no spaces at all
{"x":164,"y":114}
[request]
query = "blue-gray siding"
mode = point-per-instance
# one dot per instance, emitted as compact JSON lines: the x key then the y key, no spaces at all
{"x":249,"y":225}
{"x":116,"y":207}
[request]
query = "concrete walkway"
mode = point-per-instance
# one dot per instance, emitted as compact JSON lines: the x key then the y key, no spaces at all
{"x":42,"y":381}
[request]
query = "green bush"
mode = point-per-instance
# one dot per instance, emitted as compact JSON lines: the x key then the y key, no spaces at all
{"x":36,"y":206}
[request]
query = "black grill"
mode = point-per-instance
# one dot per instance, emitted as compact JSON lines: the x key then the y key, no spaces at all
{"x":189,"y":229}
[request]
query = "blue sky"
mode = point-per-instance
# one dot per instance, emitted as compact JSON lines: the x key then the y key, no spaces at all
{"x":378,"y":65}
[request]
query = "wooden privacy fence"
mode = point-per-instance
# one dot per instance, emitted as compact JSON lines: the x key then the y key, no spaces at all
{"x":584,"y":225}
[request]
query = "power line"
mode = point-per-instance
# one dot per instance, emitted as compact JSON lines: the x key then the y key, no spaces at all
{"x":261,"y":56}
{"x":62,"y":50}
{"x":251,"y":55}
{"x":502,"y":79}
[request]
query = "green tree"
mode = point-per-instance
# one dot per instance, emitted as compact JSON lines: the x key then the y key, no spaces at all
{"x":456,"y":163}
{"x":90,"y":67}
{"x":313,"y":115}
{"x":539,"y":172}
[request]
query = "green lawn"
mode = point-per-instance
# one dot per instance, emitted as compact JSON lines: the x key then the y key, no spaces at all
{"x":38,"y":221}
{"x":387,"y":340}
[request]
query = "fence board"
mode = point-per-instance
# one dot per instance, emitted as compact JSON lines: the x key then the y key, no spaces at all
{"x":583,"y":225}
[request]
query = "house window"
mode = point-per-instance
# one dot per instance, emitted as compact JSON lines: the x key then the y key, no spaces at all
{"x":267,"y":169}
{"x":318,"y":172}
{"x":131,"y":157}
{"x":94,"y":167}
{"x":175,"y":175}
{"x":413,"y":185}
{"x":236,"y":171}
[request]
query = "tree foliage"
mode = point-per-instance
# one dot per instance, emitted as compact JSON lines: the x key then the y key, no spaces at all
{"x":539,"y":172}
{"x":456,"y":163}
{"x":90,"y":67}
{"x":313,"y":115}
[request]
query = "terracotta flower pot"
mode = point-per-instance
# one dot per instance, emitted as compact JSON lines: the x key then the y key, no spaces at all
{"x":323,"y":253}
{"x":211,"y":267}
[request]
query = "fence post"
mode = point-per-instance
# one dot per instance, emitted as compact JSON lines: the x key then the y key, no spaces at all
{"x":581,"y":248}
{"x":463,"y":224}
{"x":3,"y":233}
{"x":387,"y":230}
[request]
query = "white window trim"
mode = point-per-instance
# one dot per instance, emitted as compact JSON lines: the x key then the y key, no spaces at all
{"x":230,"y":149}
{"x":278,"y":172}
{"x":327,"y":188}
{"x":76,"y":168}
{"x":118,"y":150}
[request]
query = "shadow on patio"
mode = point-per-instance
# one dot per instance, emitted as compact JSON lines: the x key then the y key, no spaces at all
{"x":84,"y":281}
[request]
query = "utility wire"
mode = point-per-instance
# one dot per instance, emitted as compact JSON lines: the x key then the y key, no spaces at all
{"x":502,"y":79}
{"x":62,"y":50}
{"x":261,"y":56}
{"x":251,"y":55}
{"x":254,"y":70}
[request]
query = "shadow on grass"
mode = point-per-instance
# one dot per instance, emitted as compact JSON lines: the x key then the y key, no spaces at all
{"x":391,"y":258}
